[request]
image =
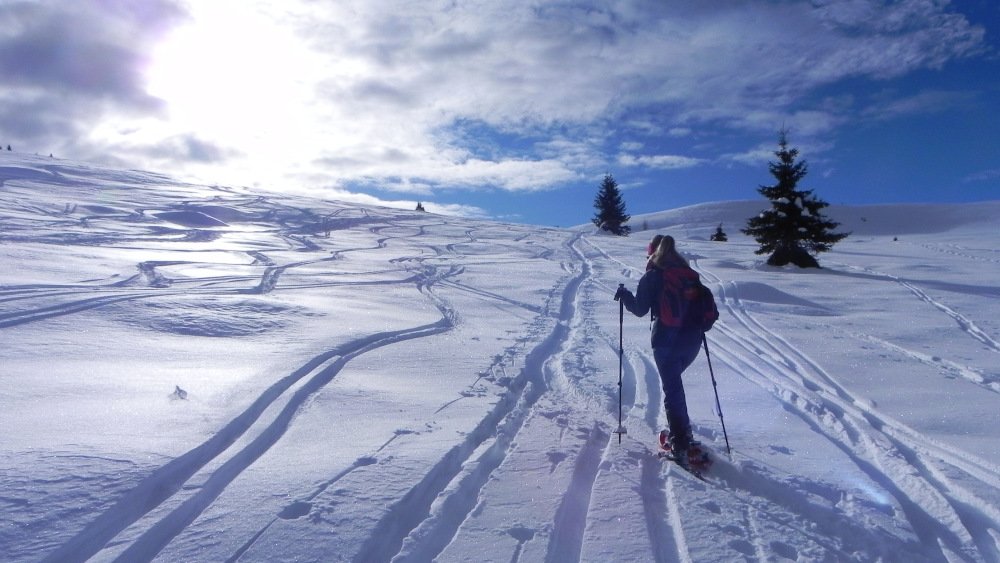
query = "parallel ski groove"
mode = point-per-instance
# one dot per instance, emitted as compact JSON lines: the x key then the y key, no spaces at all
{"x":859,"y":422}
{"x":676,"y":522}
{"x":152,"y":492}
{"x":166,"y":481}
{"x":570,"y":522}
{"x":413,"y":512}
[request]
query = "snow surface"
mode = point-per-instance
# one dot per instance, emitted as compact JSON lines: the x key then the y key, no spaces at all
{"x":194,"y":373}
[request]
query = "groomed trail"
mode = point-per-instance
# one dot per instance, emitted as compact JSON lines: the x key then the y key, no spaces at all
{"x":381,"y":385}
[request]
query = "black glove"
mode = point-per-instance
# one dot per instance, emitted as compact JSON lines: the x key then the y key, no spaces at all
{"x":622,"y":292}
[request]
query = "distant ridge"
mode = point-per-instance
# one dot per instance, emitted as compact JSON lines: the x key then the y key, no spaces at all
{"x":699,"y":221}
{"x":692,"y":222}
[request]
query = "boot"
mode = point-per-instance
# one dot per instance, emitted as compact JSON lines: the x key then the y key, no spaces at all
{"x":679,"y":451}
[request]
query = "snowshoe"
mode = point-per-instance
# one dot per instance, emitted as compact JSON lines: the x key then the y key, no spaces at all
{"x":696,"y":459}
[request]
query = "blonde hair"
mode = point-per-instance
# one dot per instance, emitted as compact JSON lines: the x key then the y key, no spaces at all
{"x":666,"y":253}
{"x":653,"y":244}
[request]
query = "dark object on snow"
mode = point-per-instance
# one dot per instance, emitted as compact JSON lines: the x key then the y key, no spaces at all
{"x":179,"y":393}
{"x":719,"y":235}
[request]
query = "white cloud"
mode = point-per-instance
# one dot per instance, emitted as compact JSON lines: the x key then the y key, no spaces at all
{"x":65,"y":66}
{"x":758,"y":156}
{"x":508,"y":174}
{"x":894,"y":105}
{"x":763,"y":153}
{"x":401,"y":73}
{"x":661,"y":161}
{"x":990,"y":175}
{"x":372,"y":90}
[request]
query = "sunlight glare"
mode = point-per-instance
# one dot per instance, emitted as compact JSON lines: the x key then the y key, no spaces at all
{"x":232,"y":73}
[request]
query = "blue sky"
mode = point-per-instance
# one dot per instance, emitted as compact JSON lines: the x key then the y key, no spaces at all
{"x":511,"y":109}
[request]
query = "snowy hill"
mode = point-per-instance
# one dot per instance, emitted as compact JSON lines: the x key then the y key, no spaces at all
{"x":196,"y":373}
{"x":700,"y":221}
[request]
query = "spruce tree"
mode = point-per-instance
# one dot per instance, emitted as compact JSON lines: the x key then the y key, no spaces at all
{"x":719,"y":235}
{"x":610,"y":207}
{"x":794,"y":228}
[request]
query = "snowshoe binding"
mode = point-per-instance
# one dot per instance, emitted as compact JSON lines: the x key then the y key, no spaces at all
{"x":696,"y":459}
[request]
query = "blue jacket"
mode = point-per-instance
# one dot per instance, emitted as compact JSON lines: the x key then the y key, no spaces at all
{"x":645,"y":301}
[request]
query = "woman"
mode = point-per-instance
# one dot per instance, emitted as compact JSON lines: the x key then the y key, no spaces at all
{"x":682,"y":310}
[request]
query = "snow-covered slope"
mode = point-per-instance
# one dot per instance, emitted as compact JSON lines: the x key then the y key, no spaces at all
{"x":195,"y":373}
{"x":700,"y":221}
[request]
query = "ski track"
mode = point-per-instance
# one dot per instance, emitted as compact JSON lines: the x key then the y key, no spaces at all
{"x":566,"y":541}
{"x":964,"y":252}
{"x":963,"y":322}
{"x":943,"y":511}
{"x":302,"y":507}
{"x":660,"y":506}
{"x":71,"y":299}
{"x":937,"y":487}
{"x":168,"y":480}
{"x":167,"y":484}
{"x":666,"y":544}
{"x":410,"y":531}
{"x":948,"y":367}
{"x":444,"y":502}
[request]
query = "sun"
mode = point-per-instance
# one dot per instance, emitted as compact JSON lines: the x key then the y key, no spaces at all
{"x":232,"y":72}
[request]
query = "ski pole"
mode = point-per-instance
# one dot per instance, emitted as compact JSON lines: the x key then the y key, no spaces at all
{"x":715,"y":386}
{"x":621,"y":353}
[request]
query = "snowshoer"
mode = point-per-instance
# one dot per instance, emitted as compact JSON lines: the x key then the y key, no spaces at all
{"x":680,"y":320}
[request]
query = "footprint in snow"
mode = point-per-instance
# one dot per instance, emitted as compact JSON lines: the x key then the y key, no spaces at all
{"x":295,"y":510}
{"x":522,"y":534}
{"x":555,"y":458}
{"x":742,"y":546}
{"x":785,"y":550}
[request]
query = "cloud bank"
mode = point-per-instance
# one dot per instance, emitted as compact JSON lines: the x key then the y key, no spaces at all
{"x":421,"y":96}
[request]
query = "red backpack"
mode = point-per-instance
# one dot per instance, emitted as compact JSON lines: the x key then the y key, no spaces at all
{"x":684,"y":301}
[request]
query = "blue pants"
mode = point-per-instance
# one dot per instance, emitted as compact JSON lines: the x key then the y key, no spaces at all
{"x":671,"y":361}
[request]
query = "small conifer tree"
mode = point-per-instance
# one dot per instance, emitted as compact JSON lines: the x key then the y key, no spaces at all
{"x":794,"y":228}
{"x":610,"y":207}
{"x":719,"y":235}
